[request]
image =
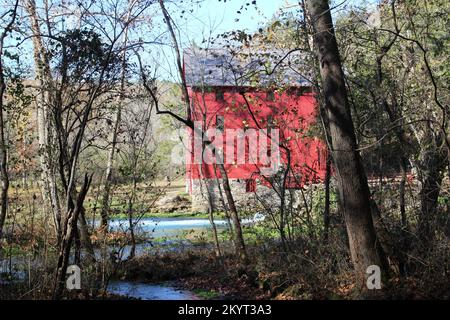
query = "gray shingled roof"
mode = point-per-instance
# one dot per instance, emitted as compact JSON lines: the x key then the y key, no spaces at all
{"x":219,"y":67}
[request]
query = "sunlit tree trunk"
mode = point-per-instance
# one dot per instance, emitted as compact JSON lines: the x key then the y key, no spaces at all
{"x":239,"y":238}
{"x":352,"y":184}
{"x":108,"y":175}
{"x":4,"y":177}
{"x":44,"y":121}
{"x":130,"y":213}
{"x":211,"y":210}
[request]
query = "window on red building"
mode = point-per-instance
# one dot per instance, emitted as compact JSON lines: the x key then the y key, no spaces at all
{"x":219,"y":95}
{"x":250,"y":185}
{"x":220,"y":123}
{"x":307,"y":89}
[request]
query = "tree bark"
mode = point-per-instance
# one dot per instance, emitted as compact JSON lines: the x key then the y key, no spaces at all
{"x":44,"y":121}
{"x":433,"y":163}
{"x":69,"y":233}
{"x":351,"y":179}
{"x":215,"y":235}
{"x":211,"y":211}
{"x":222,"y":200}
{"x":108,"y":179}
{"x":326,"y":211}
{"x":241,"y":251}
{"x":130,"y":214}
{"x":402,"y":190}
{"x":4,"y":176}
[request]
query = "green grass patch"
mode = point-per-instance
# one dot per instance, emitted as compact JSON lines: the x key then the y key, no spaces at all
{"x":13,"y":250}
{"x":206,"y":294}
{"x":443,"y":200}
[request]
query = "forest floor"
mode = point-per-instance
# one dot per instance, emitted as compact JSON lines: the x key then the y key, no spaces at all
{"x":304,"y":269}
{"x":278,"y":277}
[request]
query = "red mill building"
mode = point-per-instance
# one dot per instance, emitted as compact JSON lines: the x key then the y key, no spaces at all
{"x":260,"y":130}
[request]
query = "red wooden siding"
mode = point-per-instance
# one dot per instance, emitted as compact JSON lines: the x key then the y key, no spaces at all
{"x":292,"y":112}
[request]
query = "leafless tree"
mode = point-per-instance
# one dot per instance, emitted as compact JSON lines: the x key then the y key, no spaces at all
{"x":4,"y":177}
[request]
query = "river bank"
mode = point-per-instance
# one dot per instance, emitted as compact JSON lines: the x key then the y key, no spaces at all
{"x":19,"y":267}
{"x":175,"y":259}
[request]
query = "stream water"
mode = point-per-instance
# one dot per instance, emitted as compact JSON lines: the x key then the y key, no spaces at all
{"x":162,"y":234}
{"x":169,"y":234}
{"x":145,"y":291}
{"x":171,"y":229}
{"x":165,"y":227}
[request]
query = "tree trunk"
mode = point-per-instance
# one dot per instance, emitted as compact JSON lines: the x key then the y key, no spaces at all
{"x":108,"y":179}
{"x":4,"y":177}
{"x":44,"y":123}
{"x":351,"y":179}
{"x":222,"y":200}
{"x":66,"y":244}
{"x":326,"y":211}
{"x":211,"y":212}
{"x":85,"y":236}
{"x":130,"y":213}
{"x":433,"y":164}
{"x":132,"y":235}
{"x":241,"y":251}
{"x":215,"y":235}
{"x":402,"y":190}
{"x":429,"y":194}
{"x":448,"y":154}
